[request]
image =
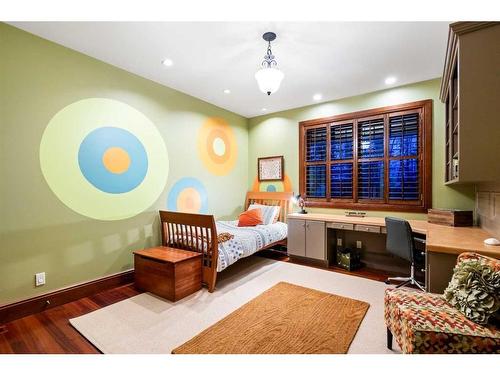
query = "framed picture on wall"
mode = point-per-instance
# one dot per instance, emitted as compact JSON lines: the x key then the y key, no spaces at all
{"x":270,"y":168}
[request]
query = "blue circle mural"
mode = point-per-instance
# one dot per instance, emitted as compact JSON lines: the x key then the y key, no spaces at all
{"x":188,"y":195}
{"x":113,"y":160}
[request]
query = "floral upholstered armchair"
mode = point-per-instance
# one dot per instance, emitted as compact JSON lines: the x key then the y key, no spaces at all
{"x":465,"y":319}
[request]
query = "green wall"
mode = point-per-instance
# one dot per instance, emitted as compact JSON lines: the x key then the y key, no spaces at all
{"x":38,"y":231}
{"x":278,"y":134}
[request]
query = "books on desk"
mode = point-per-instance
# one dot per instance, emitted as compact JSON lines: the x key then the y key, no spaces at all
{"x":355,"y":214}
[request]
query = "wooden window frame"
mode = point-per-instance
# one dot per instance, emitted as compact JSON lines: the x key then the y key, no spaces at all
{"x":424,"y":107}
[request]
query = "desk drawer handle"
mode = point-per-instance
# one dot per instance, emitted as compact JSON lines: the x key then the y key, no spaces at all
{"x":368,"y":229}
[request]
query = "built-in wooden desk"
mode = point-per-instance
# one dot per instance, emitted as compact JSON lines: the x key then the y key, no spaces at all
{"x":443,"y":243}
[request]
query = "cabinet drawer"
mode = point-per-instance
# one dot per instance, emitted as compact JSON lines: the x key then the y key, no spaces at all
{"x":367,"y":228}
{"x":344,"y":226}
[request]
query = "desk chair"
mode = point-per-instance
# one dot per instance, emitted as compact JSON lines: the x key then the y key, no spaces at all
{"x":400,"y":242}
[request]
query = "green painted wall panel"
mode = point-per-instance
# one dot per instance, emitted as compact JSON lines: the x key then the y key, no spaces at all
{"x":38,"y":232}
{"x":278,"y":134}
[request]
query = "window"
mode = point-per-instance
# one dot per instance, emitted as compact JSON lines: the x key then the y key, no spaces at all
{"x":378,"y":159}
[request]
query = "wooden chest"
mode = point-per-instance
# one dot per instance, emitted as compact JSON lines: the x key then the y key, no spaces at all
{"x":453,"y":218}
{"x":168,"y":272}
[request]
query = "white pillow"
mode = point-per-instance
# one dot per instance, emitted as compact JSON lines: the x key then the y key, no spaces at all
{"x":269,"y":213}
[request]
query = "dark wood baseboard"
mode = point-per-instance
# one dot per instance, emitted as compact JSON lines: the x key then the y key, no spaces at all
{"x":59,"y":297}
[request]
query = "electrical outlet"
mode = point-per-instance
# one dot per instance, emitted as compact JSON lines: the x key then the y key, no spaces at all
{"x":359,"y":244}
{"x":339,"y":241}
{"x":40,"y":279}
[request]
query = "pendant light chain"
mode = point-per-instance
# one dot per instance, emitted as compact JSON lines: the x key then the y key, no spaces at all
{"x":269,"y":60}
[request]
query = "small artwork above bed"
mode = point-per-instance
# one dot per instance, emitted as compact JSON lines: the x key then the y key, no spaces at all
{"x":270,"y":168}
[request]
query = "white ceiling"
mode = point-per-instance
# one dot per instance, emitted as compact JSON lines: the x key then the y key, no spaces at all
{"x":336,"y":59}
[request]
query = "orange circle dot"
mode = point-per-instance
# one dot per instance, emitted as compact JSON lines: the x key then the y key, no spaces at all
{"x":116,"y":160}
{"x":189,"y":200}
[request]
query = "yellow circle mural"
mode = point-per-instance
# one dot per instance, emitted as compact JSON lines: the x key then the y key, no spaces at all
{"x":217,"y":146}
{"x":116,"y":160}
{"x":104,"y":159}
{"x":269,"y":186}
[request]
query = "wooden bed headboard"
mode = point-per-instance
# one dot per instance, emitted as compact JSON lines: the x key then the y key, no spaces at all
{"x":282,"y":199}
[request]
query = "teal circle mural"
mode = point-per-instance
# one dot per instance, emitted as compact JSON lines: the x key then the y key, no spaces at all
{"x":188,"y":195}
{"x":104,"y":159}
{"x":113,"y":160}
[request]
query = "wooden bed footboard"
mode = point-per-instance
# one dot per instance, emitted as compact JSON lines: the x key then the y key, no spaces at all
{"x":194,"y":232}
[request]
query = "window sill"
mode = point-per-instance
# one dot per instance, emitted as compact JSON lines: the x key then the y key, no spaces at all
{"x":417,"y":208}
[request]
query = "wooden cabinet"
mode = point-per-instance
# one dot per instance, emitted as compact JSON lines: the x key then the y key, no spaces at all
{"x":168,"y":272}
{"x":307,"y":238}
{"x":469,"y":90}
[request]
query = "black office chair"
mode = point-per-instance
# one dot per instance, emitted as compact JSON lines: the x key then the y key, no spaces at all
{"x":400,"y":242}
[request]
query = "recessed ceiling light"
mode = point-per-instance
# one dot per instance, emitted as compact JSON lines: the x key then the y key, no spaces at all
{"x":317,"y":97}
{"x":390,"y":80}
{"x":167,"y":62}
{"x":264,"y":109}
{"x":227,"y":91}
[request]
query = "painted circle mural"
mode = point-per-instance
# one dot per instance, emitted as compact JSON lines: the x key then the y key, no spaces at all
{"x":217,"y":146}
{"x":188,"y":195}
{"x":280,"y":186}
{"x":104,"y":159}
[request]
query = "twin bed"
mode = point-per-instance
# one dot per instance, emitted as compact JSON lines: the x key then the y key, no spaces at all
{"x":223,"y":243}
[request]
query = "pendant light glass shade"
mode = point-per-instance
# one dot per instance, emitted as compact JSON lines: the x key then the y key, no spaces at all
{"x":269,"y":79}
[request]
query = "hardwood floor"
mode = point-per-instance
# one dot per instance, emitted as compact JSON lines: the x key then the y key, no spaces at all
{"x":49,"y":332}
{"x":368,"y":273}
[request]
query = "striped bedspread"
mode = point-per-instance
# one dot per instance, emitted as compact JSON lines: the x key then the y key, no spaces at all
{"x":246,"y":241}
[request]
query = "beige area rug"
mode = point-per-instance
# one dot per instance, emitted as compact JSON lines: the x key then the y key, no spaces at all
{"x":148,"y":324}
{"x":285,"y":319}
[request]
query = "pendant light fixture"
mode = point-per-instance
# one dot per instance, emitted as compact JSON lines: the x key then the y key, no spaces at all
{"x":269,"y":77}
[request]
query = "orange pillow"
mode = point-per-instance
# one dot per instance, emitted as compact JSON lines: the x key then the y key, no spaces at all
{"x":250,"y":218}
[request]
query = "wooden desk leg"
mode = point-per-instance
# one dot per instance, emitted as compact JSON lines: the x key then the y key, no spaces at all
{"x":439,"y":271}
{"x":389,"y":339}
